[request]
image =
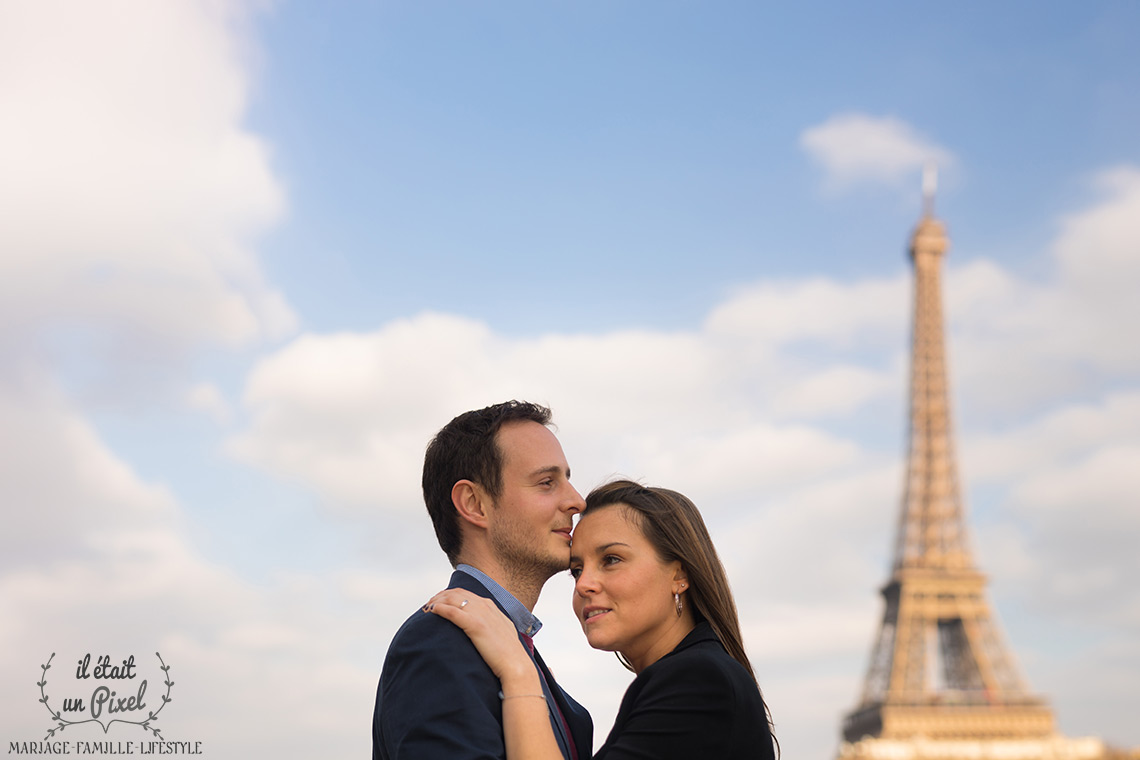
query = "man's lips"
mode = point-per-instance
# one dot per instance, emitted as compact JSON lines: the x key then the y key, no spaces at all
{"x":563,"y":532}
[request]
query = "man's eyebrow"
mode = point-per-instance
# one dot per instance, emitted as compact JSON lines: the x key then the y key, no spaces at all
{"x":550,"y":470}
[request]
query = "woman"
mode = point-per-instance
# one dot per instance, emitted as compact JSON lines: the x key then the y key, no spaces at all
{"x":649,"y":586}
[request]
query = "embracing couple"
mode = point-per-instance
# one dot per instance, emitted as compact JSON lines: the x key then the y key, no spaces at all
{"x":462,"y":678}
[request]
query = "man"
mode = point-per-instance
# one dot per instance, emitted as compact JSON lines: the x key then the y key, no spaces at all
{"x":497,"y":487}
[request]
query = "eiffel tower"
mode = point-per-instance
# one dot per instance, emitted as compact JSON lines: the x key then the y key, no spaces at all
{"x":940,"y":670}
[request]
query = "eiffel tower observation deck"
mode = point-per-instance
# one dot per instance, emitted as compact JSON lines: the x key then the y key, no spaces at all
{"x":941,"y":682}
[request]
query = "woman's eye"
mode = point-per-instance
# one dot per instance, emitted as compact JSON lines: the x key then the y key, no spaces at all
{"x":610,"y":559}
{"x":575,"y":572}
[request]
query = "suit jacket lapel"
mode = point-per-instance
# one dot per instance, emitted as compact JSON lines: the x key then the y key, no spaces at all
{"x":577,"y":720}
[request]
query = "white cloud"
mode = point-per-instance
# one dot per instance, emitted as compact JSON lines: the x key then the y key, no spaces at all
{"x":745,"y":459}
{"x":131,"y":190}
{"x":1069,"y":331}
{"x":132,"y":195}
{"x":1082,"y":525}
{"x":350,"y":414}
{"x":1098,"y":257}
{"x":60,"y":484}
{"x":1096,"y":248}
{"x":856,"y":148}
{"x":96,"y":561}
{"x":839,"y":315}
{"x":806,"y":632}
{"x":208,"y":398}
{"x":835,"y":391}
{"x":1107,"y":477}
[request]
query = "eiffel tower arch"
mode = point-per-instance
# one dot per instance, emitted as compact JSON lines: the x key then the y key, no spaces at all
{"x":941,"y":682}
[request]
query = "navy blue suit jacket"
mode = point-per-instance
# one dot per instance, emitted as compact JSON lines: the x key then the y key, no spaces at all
{"x":438,"y":700}
{"x":695,"y":702}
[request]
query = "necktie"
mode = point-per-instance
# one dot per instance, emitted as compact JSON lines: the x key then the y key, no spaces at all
{"x":550,"y":701}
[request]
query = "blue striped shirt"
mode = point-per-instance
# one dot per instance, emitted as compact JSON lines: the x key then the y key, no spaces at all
{"x":524,"y":619}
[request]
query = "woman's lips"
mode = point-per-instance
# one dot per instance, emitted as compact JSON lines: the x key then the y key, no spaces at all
{"x":590,"y":614}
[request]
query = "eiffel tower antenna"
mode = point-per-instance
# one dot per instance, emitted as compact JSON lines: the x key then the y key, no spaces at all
{"x":929,"y":188}
{"x":939,"y":668}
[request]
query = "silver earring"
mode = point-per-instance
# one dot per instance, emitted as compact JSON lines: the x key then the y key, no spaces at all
{"x":677,"y":601}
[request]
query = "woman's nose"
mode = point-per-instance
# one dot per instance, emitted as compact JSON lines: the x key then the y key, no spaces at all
{"x":585,"y":584}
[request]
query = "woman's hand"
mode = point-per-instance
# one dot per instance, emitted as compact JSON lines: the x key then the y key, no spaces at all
{"x":492,"y":633}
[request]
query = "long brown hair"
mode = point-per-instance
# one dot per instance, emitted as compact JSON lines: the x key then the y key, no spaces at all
{"x":673,"y":525}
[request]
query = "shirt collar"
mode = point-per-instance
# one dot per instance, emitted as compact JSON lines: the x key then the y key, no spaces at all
{"x":524,"y":619}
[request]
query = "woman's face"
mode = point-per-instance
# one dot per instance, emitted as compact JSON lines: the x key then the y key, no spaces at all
{"x":623,"y":591}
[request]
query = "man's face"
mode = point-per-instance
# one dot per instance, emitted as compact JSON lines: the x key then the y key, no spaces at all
{"x":529,"y":526}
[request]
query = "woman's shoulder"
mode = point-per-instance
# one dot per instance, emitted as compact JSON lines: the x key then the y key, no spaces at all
{"x":700,"y":647}
{"x":699,"y":657}
{"x":697,"y":701}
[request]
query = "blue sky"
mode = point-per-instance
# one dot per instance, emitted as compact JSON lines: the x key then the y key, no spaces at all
{"x":496,"y":141}
{"x":254,"y":255}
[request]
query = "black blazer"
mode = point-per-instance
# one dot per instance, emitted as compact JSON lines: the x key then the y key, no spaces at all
{"x":437,"y":699}
{"x":695,"y":702}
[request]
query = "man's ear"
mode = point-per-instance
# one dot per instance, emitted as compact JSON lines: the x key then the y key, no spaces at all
{"x":470,"y":502}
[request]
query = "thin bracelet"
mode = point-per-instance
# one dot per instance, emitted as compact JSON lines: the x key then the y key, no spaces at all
{"x":518,"y":696}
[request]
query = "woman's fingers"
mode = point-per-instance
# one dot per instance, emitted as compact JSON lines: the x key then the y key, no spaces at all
{"x":456,"y":598}
{"x":492,"y":632}
{"x":470,"y":612}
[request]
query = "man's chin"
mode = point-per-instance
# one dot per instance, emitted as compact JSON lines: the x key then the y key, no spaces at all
{"x":557,"y":565}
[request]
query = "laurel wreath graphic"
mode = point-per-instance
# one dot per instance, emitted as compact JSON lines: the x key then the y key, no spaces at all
{"x":63,"y":722}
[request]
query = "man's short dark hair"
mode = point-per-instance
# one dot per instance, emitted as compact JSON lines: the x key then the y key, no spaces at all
{"x":466,"y":449}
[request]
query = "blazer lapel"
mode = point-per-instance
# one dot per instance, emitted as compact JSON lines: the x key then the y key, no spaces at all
{"x":577,"y":719}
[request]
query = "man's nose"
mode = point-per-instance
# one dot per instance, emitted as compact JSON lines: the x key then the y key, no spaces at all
{"x":574,"y":502}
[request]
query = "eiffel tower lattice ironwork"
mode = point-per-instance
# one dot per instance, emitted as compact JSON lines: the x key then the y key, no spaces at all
{"x":939,"y":669}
